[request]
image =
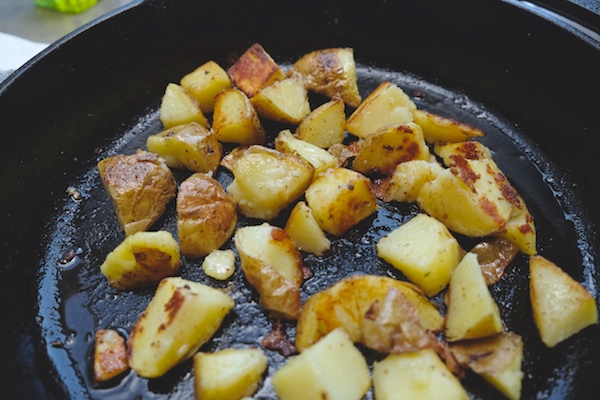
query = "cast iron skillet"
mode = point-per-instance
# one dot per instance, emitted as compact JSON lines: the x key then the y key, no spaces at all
{"x":530,"y":84}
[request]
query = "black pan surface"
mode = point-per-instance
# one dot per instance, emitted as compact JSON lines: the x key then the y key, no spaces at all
{"x":531,"y":85}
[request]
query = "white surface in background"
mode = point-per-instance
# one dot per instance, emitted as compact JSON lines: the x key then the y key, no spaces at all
{"x":16,"y":51}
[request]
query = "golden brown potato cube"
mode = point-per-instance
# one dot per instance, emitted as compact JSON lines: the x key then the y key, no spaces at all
{"x":332,"y":73}
{"x":272,"y":264}
{"x":325,"y":125}
{"x":205,"y":82}
{"x":340,"y":199}
{"x":254,"y":70}
{"x":561,"y":305}
{"x":304,"y":229}
{"x":283,"y":101}
{"x":320,"y":159}
{"x":266,"y":181}
{"x":441,"y":129}
{"x":389,"y":146}
{"x":470,"y":150}
{"x":110,"y":355}
{"x":386,"y":105}
{"x":219,"y":264}
{"x":139,"y":186}
{"x":206,"y":216}
{"x":190,"y":146}
{"x":235,"y":120}
{"x":178,"y":107}
{"x":408,"y":179}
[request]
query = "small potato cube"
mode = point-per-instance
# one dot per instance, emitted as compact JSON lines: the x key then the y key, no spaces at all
{"x":283,"y":101}
{"x":142,"y":259}
{"x":110,"y":355}
{"x":325,"y":125}
{"x":206,"y":216}
{"x":178,"y":107}
{"x":389,"y":146}
{"x":386,"y":105}
{"x":229,"y":374}
{"x":340,"y":199}
{"x":190,"y":146}
{"x":304,"y":229}
{"x":320,"y":159}
{"x":235,"y":120}
{"x":219,"y":264}
{"x":181,"y":317}
{"x":266,"y":181}
{"x":419,"y":376}
{"x":561,"y":305}
{"x":254,"y":70}
{"x":472,"y":312}
{"x":332,"y":73}
{"x":273,"y":265}
{"x":424,"y":251}
{"x":441,"y":129}
{"x":205,"y":82}
{"x":331,"y":369}
{"x":408,"y":179}
{"x":470,"y":150}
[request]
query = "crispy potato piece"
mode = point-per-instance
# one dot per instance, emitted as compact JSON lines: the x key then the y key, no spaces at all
{"x":230,"y":374}
{"x":389,"y":146}
{"x":331,"y":369}
{"x":470,"y":150}
{"x":494,"y":255}
{"x":283,"y":101}
{"x":219,"y":264}
{"x":332,"y":73}
{"x":206,"y":216}
{"x":178,"y":107}
{"x":205,"y":82}
{"x":346,"y":303}
{"x":386,"y":105}
{"x":235,"y":120}
{"x":190,"y":146}
{"x":181,"y":317}
{"x":110,"y":355}
{"x":561,"y":305}
{"x":273,"y":265}
{"x":407,"y":180}
{"x":141,"y":260}
{"x":139,"y":185}
{"x":441,"y":129}
{"x":340,"y":199}
{"x":254,"y":70}
{"x":320,"y":159}
{"x":325,"y":125}
{"x":304,"y":229}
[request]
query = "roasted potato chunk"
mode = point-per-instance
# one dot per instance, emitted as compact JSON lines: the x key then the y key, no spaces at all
{"x":254,"y":70}
{"x":219,"y":264}
{"x":181,"y":317}
{"x":139,"y":185}
{"x":206,"y":216}
{"x":325,"y":125}
{"x":204,"y":83}
{"x":304,"y":229}
{"x":178,"y":107}
{"x":110,"y":355}
{"x":273,"y":265}
{"x":235,"y":120}
{"x":320,"y":159}
{"x":190,"y":146}
{"x":332,"y":73}
{"x":407,"y":180}
{"x":284,"y":100}
{"x":441,"y":129}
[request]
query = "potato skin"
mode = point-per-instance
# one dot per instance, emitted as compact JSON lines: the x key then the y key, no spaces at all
{"x":206,"y":216}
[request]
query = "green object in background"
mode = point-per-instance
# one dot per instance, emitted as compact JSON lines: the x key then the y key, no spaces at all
{"x":67,"y":6}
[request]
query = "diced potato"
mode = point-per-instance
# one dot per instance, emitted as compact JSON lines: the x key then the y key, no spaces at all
{"x":332,"y":73}
{"x":190,"y":146}
{"x":472,"y":312}
{"x":205,"y":82}
{"x":561,"y":305}
{"x":415,"y":376}
{"x":142,"y":259}
{"x":139,"y":186}
{"x":497,"y":359}
{"x":235,"y":120}
{"x":206,"y":216}
{"x":441,"y":129}
{"x":219,"y":264}
{"x":266,"y":181}
{"x":346,"y":303}
{"x":325,"y":125}
{"x":181,"y":317}
{"x":340,"y":199}
{"x":408,"y":179}
{"x":520,"y":229}
{"x":389,"y":146}
{"x":331,"y":369}
{"x":273,"y":265}
{"x":178,"y":107}
{"x":320,"y":159}
{"x":470,"y":150}
{"x":229,"y":374}
{"x":254,"y":70}
{"x":386,"y":105}
{"x":304,"y":229}
{"x":424,"y":251}
{"x":110,"y":355}
{"x":284,"y":100}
